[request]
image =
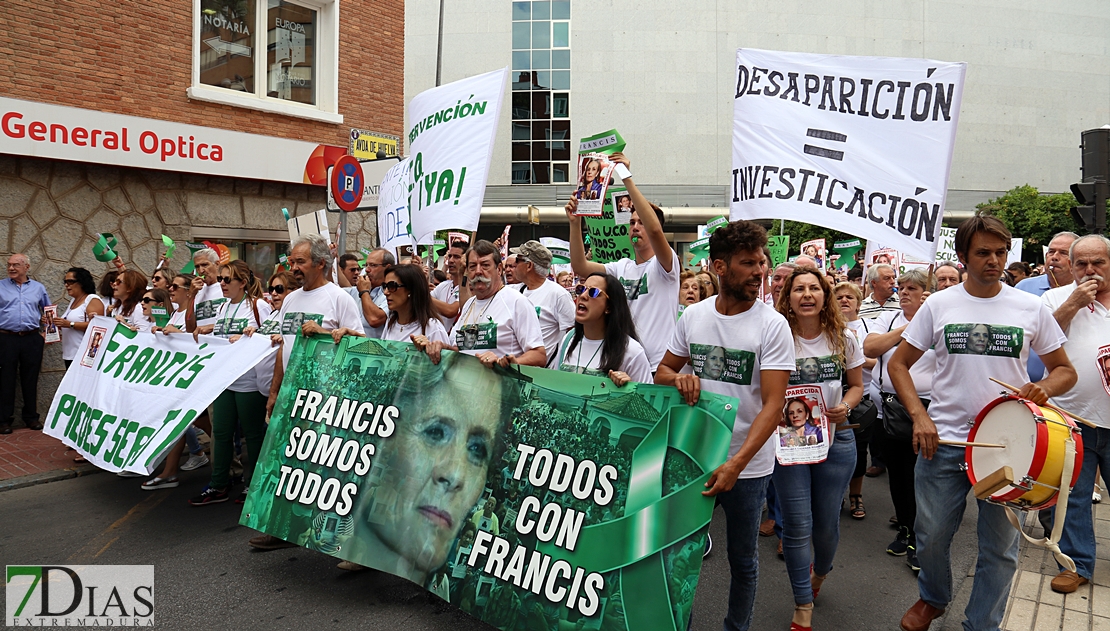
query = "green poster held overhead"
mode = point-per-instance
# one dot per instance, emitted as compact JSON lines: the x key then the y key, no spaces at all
{"x":779,"y":245}
{"x":847,"y":251}
{"x":566,"y":494}
{"x":193,"y":249}
{"x":608,"y":231}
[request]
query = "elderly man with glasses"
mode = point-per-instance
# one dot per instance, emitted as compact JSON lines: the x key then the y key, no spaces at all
{"x":554,"y":306}
{"x":22,"y":301}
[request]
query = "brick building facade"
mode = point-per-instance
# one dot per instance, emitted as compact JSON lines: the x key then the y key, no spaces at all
{"x":144,"y":61}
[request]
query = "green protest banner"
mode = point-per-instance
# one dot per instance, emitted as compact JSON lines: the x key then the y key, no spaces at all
{"x":780,"y":248}
{"x":609,"y":239}
{"x":847,"y":251}
{"x":505,"y":492}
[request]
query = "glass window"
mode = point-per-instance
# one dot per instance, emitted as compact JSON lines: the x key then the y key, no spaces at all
{"x":560,"y":59}
{"x":560,"y":80}
{"x":560,"y":35}
{"x":226,"y":56}
{"x":560,"y":172}
{"x":560,"y":130}
{"x":541,"y":34}
{"x":561,"y":105}
{"x":521,"y":130}
{"x":522,"y":173}
{"x":560,"y":10}
{"x":541,"y":59}
{"x":541,"y":10}
{"x":543,"y":80}
{"x":541,"y":172}
{"x":541,"y":107}
{"x":522,"y":35}
{"x":560,"y":149}
{"x":520,"y":151}
{"x":522,"y":60}
{"x":290,"y":55}
{"x":522,"y":80}
{"x":541,"y":151}
{"x":523,"y":10}
{"x":521,"y":106}
{"x":541,"y":130}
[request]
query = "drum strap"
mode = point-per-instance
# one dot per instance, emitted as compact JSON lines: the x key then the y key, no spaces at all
{"x":1052,"y":542}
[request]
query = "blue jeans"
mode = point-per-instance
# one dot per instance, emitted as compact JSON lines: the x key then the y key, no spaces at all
{"x":773,"y":508}
{"x":809,"y":498}
{"x":191,"y":440}
{"x":742,"y":513}
{"x":941,"y":488}
{"x":1078,"y":539}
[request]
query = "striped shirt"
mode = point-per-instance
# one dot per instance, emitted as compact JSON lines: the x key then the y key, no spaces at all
{"x":870,"y":308}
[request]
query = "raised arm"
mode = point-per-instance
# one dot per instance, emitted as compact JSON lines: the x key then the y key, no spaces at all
{"x":578,"y":261}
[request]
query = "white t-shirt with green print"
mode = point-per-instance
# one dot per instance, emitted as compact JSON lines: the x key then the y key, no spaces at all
{"x":653,"y":298}
{"x":505,"y":323}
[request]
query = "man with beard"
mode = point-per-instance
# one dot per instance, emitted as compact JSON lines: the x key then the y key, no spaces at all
{"x":1083,"y":310}
{"x":759,"y":339}
{"x":449,"y":295}
{"x":498,"y":327}
{"x":650,"y":280}
{"x":1018,"y":324}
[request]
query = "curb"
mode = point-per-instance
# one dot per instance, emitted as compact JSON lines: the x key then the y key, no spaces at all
{"x":47,"y":476}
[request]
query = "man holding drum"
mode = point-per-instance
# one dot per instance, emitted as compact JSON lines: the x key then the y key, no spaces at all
{"x":1082,"y":308}
{"x":1016,"y":324}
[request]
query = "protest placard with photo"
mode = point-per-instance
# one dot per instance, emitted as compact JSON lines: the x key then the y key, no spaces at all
{"x":50,"y":330}
{"x":803,"y":433}
{"x":622,"y":207}
{"x":1103,"y":360}
{"x":815,"y":249}
{"x":594,"y":172}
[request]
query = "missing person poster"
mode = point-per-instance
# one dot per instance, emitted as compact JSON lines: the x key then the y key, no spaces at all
{"x":1103,"y":360}
{"x":504,"y":492}
{"x":50,"y":330}
{"x":608,"y":232}
{"x":815,"y":249}
{"x":803,"y":434}
{"x":594,"y":176}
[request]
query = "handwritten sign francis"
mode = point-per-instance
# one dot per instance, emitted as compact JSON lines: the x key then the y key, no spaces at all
{"x":858,"y":144}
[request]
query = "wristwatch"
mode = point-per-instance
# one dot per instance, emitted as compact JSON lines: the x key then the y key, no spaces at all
{"x":848,"y":407}
{"x":364,"y":291}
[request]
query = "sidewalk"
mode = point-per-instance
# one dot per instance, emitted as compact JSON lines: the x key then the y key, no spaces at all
{"x":30,"y":457}
{"x":1033,"y":606}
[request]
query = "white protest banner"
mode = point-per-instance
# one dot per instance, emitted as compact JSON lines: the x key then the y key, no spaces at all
{"x":451,"y":133}
{"x":1014,"y":255}
{"x":393,"y":208}
{"x":946,"y":248}
{"x":129,"y":395}
{"x":858,"y":144}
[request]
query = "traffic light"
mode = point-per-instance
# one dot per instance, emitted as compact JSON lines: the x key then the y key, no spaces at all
{"x":1091,"y":214}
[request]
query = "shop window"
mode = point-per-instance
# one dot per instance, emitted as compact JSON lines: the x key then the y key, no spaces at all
{"x":273,"y":55}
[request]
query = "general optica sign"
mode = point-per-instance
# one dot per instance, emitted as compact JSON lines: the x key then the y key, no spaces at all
{"x":69,"y":133}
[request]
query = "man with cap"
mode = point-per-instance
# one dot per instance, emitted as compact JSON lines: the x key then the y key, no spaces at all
{"x":554,"y":306}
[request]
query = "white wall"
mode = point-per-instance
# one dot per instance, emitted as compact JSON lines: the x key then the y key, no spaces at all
{"x":661,"y":71}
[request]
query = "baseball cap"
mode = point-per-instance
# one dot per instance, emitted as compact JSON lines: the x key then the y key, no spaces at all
{"x":534,"y":252}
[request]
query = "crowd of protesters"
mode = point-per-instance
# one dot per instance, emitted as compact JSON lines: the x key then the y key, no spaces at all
{"x":645,"y":319}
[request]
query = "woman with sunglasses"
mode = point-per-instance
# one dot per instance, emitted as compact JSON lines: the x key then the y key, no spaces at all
{"x":156,"y":298}
{"x":128,"y":289}
{"x":603,"y":340}
{"x":241,"y":404}
{"x":809,"y":495}
{"x":161,"y":279}
{"x":84,"y":305}
{"x":411,"y":315}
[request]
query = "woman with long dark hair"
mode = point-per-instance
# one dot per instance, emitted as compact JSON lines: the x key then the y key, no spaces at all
{"x":128,"y":290}
{"x":106,"y":291}
{"x":84,"y":305}
{"x":411,"y":314}
{"x":603,"y":340}
{"x":809,"y":495}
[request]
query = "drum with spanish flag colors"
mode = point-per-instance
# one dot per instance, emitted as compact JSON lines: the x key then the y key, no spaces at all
{"x":1035,"y":439}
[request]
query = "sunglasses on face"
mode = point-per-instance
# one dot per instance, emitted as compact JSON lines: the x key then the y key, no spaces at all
{"x":277,"y":289}
{"x":181,"y":287}
{"x":392,"y":286}
{"x":116,"y":283}
{"x":591,"y":292}
{"x":147,"y":300}
{"x":69,"y":281}
{"x":225,"y":279}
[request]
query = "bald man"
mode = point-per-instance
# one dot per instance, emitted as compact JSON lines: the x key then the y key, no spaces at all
{"x":22,"y":301}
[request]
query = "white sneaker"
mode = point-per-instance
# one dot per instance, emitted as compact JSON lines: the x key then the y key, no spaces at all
{"x":195,"y":461}
{"x":1096,"y":498}
{"x":129,"y":474}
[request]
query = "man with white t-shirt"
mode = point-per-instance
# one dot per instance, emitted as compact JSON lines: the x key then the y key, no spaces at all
{"x":554,"y":306}
{"x":497,"y":325}
{"x":759,"y":357}
{"x":650,"y":280}
{"x":1082,"y":309}
{"x":449,"y":295}
{"x":952,"y":322}
{"x":205,"y":291}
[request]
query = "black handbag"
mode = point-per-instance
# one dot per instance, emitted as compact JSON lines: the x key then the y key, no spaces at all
{"x":897,"y":422}
{"x":866,"y":413}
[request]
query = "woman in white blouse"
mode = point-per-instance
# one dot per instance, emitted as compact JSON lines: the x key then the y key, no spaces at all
{"x":84,"y":305}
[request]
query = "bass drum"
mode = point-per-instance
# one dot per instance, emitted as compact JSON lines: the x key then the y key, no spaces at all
{"x":1036,"y":441}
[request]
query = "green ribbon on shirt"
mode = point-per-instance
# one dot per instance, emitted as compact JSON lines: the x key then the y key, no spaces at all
{"x":652,"y":522}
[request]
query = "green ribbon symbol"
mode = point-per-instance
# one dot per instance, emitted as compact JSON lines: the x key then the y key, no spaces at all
{"x":285,"y":211}
{"x":171,"y":247}
{"x":700,"y":250}
{"x":104,"y":249}
{"x":634,"y":543}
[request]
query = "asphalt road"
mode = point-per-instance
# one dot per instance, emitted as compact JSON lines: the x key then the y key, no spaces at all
{"x":207,"y":577}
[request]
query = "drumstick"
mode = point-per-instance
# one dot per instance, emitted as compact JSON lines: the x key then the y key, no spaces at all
{"x":1073,"y":416}
{"x":968,"y":444}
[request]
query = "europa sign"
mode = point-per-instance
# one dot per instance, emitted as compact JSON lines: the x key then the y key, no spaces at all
{"x":69,"y":133}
